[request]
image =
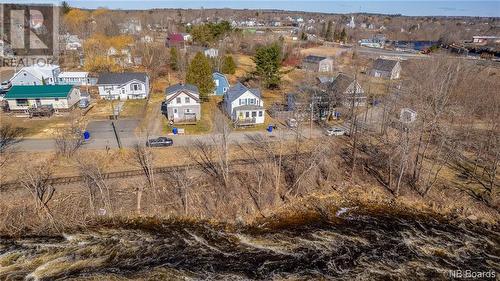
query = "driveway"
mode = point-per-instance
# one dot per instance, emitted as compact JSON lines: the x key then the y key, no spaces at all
{"x":101,"y":132}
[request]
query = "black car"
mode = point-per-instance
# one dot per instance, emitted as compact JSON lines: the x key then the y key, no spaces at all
{"x":159,"y":142}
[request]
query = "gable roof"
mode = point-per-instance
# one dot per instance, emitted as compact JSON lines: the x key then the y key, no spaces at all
{"x":313,"y":59}
{"x":384,"y":65}
{"x":175,"y":37}
{"x":219,"y":75}
{"x":341,"y":83}
{"x":179,"y":87}
{"x":73,"y":74}
{"x":109,"y":78}
{"x":39,"y":72}
{"x":43,"y":91}
{"x":234,"y":92}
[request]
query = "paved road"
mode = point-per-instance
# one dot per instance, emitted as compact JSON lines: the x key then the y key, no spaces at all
{"x":128,"y":139}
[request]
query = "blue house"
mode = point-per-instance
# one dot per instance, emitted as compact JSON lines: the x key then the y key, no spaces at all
{"x":221,"y":83}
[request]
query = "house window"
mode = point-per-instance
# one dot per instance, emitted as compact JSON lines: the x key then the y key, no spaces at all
{"x":224,"y":89}
{"x":22,"y":102}
{"x":247,"y":114}
{"x":135,"y":87}
{"x":178,"y":100}
{"x":254,"y":113}
{"x":251,"y":101}
{"x":123,"y":90}
{"x":186,"y":100}
{"x":187,"y":110}
{"x":260,"y":113}
{"x":175,"y":110}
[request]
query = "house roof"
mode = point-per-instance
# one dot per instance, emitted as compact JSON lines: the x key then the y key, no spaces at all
{"x":324,"y":79}
{"x":176,"y":37}
{"x":108,"y":78}
{"x":234,"y":92}
{"x":341,"y":83}
{"x":313,"y":59}
{"x":37,"y":92}
{"x":219,"y":75}
{"x":39,"y":72}
{"x":179,"y":87}
{"x":248,"y":107}
{"x":73,"y":74}
{"x":384,"y":65}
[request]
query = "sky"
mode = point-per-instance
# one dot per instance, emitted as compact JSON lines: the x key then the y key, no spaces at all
{"x":476,"y":8}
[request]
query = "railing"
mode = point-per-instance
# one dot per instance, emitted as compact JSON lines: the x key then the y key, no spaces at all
{"x":245,"y":121}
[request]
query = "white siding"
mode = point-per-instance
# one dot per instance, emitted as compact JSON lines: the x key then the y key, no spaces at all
{"x":248,"y":95}
{"x":125,"y":91}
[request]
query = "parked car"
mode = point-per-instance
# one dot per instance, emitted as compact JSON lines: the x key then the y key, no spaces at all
{"x":159,"y":142}
{"x":335,"y":132}
{"x":292,"y":123}
{"x":6,"y":85}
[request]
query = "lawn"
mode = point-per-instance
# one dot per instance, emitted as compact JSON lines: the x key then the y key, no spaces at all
{"x":133,"y":108}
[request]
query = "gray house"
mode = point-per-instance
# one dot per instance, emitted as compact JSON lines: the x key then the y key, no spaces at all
{"x":346,"y":90}
{"x":317,"y":63}
{"x":182,"y":103}
{"x":386,"y":68}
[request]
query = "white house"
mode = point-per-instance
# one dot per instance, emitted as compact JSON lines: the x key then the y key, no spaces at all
{"x":60,"y":97}
{"x":79,"y":78}
{"x":126,"y":85}
{"x":36,"y":75}
{"x":187,"y":37}
{"x":182,"y":103}
{"x":211,"y":53}
{"x":243,"y":105}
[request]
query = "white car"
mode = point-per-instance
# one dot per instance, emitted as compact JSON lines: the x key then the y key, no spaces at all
{"x":335,"y":132}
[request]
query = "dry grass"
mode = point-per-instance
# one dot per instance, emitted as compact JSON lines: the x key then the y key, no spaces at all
{"x":40,"y":127}
{"x":323,"y":51}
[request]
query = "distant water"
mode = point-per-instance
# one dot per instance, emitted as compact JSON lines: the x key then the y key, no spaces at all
{"x":409,"y":8}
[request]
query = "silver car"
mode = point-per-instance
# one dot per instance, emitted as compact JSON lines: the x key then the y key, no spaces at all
{"x":335,"y":132}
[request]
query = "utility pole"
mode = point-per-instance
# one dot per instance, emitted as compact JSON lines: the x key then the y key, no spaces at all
{"x":312,"y":114}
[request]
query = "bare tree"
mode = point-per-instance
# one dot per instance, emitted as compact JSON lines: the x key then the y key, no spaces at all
{"x":182,"y":180}
{"x":9,"y":136}
{"x":36,"y":179}
{"x":143,"y":156}
{"x":68,"y":139}
{"x":93,"y":172}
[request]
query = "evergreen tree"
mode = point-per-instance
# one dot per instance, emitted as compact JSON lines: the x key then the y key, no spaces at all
{"x":199,"y":73}
{"x":303,"y":36}
{"x":228,"y":65}
{"x":267,"y":60}
{"x":343,"y":35}
{"x":328,"y":34}
{"x":174,"y":59}
{"x":65,"y":7}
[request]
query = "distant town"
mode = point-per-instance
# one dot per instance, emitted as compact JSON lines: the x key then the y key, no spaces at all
{"x":258,"y":118}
